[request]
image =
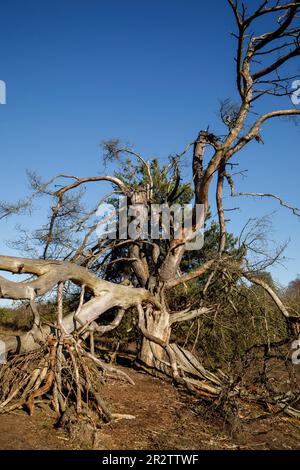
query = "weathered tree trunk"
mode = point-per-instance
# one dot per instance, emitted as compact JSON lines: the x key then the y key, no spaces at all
{"x":158,"y":325}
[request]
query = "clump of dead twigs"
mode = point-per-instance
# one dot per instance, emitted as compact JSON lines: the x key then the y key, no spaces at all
{"x":63,"y":374}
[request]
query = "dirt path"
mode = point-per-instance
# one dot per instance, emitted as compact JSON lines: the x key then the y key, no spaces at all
{"x":18,"y":431}
{"x":164,"y":419}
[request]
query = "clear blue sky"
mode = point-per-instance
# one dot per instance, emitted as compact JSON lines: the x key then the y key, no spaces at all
{"x":150,"y":72}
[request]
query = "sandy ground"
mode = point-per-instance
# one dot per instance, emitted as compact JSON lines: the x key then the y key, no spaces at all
{"x":165,"y":418}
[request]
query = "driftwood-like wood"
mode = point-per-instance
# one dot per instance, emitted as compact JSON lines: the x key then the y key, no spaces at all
{"x":156,"y":269}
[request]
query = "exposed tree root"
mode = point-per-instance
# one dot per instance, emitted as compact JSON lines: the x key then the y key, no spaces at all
{"x":222,"y":389}
{"x":56,"y":365}
{"x":63,"y":374}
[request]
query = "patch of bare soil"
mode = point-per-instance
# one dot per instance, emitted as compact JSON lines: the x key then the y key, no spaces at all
{"x":18,"y":431}
{"x":165,"y":418}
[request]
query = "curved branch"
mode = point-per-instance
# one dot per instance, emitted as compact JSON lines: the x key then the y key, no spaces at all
{"x":255,"y":129}
{"x":295,"y":210}
{"x":107,"y":295}
{"x":190,"y":315}
{"x":272,"y":294}
{"x":188,"y":277}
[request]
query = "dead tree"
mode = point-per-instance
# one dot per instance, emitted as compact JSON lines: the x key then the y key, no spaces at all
{"x":79,"y":256}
